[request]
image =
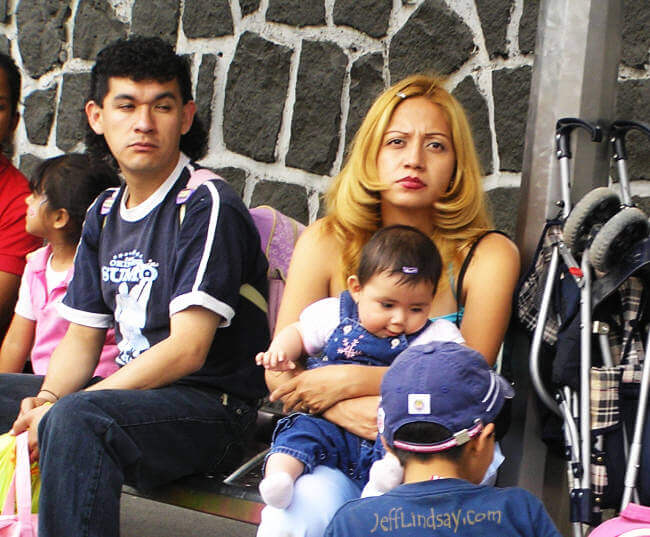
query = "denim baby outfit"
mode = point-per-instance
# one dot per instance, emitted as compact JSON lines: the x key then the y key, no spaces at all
{"x":315,"y":441}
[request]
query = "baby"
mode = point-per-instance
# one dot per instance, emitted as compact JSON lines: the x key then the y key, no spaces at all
{"x":384,"y":311}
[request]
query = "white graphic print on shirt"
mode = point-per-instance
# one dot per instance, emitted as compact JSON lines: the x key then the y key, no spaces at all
{"x":131,"y":304}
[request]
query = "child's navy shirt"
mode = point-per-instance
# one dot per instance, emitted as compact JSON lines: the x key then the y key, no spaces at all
{"x":444,"y":508}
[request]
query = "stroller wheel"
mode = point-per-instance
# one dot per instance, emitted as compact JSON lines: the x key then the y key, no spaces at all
{"x":618,"y":234}
{"x":595,"y":208}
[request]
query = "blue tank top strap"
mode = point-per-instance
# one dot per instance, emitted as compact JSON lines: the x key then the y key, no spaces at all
{"x":451,"y":317}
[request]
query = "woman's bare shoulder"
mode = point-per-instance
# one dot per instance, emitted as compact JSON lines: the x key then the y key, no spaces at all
{"x":497,"y":248}
{"x":318,"y":239}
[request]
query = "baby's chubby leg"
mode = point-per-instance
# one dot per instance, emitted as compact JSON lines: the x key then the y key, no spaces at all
{"x":281,"y":472}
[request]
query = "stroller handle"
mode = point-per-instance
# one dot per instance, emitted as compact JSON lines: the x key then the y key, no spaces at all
{"x":617,"y":132}
{"x":563,"y":129}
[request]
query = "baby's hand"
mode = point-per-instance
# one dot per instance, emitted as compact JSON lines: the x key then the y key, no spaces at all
{"x":274,"y":360}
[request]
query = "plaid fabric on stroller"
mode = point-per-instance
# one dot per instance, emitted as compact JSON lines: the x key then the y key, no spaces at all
{"x":595,"y":391}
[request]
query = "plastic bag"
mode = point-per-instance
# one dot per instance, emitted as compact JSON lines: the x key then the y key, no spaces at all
{"x":8,"y":467}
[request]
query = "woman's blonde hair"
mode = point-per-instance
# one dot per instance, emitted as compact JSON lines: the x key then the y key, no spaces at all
{"x":354,"y":200}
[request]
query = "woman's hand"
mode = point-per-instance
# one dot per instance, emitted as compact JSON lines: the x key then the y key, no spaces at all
{"x":318,"y":389}
{"x":314,"y":390}
{"x":358,"y":416}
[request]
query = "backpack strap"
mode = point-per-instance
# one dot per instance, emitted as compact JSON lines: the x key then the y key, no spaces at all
{"x":107,"y":205}
{"x":198,"y":176}
{"x":463,"y":268}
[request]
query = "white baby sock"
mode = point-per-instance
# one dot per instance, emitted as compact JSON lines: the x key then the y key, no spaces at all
{"x":277,"y":489}
{"x":385,"y":474}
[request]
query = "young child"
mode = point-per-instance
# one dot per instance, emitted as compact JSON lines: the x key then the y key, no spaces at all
{"x":384,"y":311}
{"x":62,"y":189}
{"x":439,"y":415}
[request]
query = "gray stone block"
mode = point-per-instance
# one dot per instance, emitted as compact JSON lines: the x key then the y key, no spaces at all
{"x":642,"y":203}
{"x":236,"y":178}
{"x":477,"y":113}
{"x":248,"y":6}
{"x":511,"y":88}
{"x":366,"y":83}
{"x":5,"y":45}
{"x":38,"y":115}
{"x":495,"y":16}
{"x":156,"y":18}
{"x":288,"y":199}
{"x":42,"y":34}
{"x":633,"y":103}
{"x":528,"y":26}
{"x":636,"y":33}
{"x":504,"y":204}
{"x":317,"y":112}
{"x":28,"y":164}
{"x":368,"y":16}
{"x":256,"y":90}
{"x":3,"y":11}
{"x":433,"y":39}
{"x":296,"y":12}
{"x":205,"y":89}
{"x":95,"y":26}
{"x":207,"y":18}
{"x":71,"y":119}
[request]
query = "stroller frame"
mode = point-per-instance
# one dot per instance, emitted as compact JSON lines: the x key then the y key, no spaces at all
{"x":572,"y":407}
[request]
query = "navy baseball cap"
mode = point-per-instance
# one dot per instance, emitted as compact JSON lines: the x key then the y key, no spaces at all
{"x":443,"y":383}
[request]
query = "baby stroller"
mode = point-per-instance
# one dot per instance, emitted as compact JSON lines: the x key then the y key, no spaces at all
{"x":600,"y":393}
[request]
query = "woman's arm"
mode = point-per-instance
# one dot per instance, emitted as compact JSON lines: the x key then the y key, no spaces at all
{"x":359,"y":416}
{"x":17,"y":345}
{"x":488,"y":289}
{"x":321,"y":388}
{"x":308,"y":280}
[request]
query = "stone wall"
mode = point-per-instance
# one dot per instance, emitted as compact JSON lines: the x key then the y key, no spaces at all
{"x":284,"y":84}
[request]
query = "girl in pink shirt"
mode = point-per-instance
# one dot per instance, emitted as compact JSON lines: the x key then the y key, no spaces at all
{"x":62,"y":189}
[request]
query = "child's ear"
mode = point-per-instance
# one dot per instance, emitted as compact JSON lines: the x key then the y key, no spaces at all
{"x":483,"y":440}
{"x":486,"y":437}
{"x":61,"y":218}
{"x":354,"y":287}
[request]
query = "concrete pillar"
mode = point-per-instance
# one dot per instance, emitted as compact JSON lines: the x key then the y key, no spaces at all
{"x":577,"y":54}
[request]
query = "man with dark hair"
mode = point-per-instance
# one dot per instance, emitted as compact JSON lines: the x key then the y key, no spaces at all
{"x":15,"y":242}
{"x":167,"y":265}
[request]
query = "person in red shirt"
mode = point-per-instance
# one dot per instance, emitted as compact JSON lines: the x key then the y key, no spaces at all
{"x":15,"y":242}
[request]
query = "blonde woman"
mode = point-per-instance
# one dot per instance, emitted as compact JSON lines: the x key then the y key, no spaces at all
{"x":412,"y":162}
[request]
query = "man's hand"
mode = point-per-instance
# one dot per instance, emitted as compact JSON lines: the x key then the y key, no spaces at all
{"x":32,"y":409}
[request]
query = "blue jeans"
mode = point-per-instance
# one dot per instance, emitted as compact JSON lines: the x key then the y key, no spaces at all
{"x":314,"y":441}
{"x":14,"y":387}
{"x":93,"y":442}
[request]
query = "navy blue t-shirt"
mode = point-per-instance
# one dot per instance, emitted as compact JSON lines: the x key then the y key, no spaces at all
{"x":135,"y":268}
{"x":444,"y":508}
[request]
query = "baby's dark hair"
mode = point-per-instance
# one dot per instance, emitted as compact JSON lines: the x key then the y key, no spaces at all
{"x":72,"y":182}
{"x":139,"y":59}
{"x":8,"y":65}
{"x":403,"y":251}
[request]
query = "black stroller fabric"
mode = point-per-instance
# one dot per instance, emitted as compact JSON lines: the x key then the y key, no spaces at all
{"x":614,"y":393}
